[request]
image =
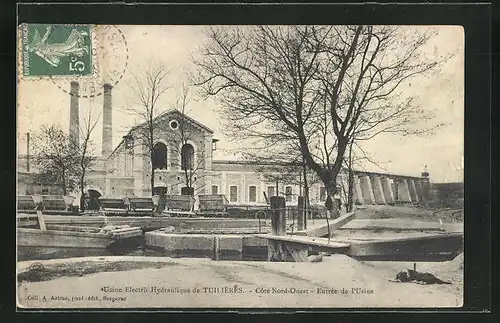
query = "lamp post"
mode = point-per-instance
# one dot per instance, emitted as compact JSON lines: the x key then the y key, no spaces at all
{"x":129,"y":141}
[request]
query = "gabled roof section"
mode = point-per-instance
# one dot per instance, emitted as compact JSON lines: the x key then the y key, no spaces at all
{"x":162,"y":116}
{"x":185,"y":116}
{"x":178,"y":113}
{"x":118,"y":146}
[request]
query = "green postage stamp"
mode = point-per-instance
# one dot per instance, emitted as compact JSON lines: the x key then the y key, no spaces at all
{"x":56,"y":50}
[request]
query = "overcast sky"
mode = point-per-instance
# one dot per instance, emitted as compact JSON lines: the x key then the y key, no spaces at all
{"x":41,"y":102}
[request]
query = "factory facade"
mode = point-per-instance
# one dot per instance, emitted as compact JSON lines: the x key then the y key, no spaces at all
{"x":182,"y":160}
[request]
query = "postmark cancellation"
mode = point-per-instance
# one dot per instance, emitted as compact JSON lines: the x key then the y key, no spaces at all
{"x":92,"y":55}
{"x":56,"y":50}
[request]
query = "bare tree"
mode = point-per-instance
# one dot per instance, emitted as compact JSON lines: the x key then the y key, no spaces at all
{"x":61,"y":160}
{"x":147,"y":88}
{"x":316,"y":86}
{"x":287,"y":168}
{"x":190,"y":162}
{"x":54,"y":158}
{"x":85,"y":149}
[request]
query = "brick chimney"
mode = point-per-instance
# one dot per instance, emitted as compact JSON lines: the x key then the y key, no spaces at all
{"x":74,"y":117}
{"x":107,"y":123}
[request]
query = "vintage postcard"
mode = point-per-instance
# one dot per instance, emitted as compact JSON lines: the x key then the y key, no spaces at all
{"x":260,"y":166}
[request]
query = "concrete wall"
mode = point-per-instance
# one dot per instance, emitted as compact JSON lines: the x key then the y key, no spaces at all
{"x":447,"y":194}
{"x":222,"y":247}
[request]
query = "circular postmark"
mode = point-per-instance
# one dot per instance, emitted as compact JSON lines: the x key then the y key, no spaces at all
{"x":109,"y":60}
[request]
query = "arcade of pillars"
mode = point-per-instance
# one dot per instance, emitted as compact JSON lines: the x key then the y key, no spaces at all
{"x":377,"y":189}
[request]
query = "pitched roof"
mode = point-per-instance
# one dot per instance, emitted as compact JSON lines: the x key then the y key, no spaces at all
{"x":161,"y":116}
{"x":175,"y":111}
{"x":185,"y":116}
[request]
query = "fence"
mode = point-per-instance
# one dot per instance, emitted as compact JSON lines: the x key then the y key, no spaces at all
{"x":264,"y":211}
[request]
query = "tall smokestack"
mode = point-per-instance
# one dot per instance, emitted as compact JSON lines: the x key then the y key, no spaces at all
{"x":107,"y":124}
{"x":74,"y":118}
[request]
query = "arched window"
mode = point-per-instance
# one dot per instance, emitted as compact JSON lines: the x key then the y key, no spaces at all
{"x":160,"y":156}
{"x":252,"y":193}
{"x":187,"y":156}
{"x":233,"y":193}
{"x":288,"y":193}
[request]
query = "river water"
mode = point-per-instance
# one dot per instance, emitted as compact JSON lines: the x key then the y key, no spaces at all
{"x":39,"y":253}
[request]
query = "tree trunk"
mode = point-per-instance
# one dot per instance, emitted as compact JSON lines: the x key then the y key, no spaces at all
{"x":350,"y":182}
{"x":187,"y":176}
{"x":306,"y":194}
{"x":350,"y":191}
{"x":152,"y":177}
{"x":82,"y":183}
{"x":64,"y":182}
{"x":151,"y":145}
{"x":331,"y":190}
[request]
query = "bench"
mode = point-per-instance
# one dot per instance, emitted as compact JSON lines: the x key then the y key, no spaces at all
{"x":179,"y":205}
{"x":48,"y":204}
{"x":54,"y":203}
{"x":140,"y":204}
{"x":112,"y":205}
{"x":213,"y":205}
{"x":26,"y":203}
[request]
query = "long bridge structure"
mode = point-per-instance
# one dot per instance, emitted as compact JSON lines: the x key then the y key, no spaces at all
{"x":382,"y":188}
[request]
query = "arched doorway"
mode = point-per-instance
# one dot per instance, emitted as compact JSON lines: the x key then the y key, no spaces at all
{"x":89,"y":199}
{"x":160,"y":190}
{"x":160,"y":156}
{"x":187,"y":157}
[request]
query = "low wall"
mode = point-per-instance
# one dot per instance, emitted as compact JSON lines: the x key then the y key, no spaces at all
{"x":221,"y":247}
{"x":51,"y":238}
{"x":155,"y":223}
{"x":448,"y":194}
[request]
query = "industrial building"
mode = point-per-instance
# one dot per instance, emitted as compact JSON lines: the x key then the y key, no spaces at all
{"x":183,"y":160}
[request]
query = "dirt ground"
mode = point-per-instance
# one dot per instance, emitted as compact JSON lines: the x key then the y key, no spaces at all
{"x":337,"y":281}
{"x":409,"y":212}
{"x":37,"y":273}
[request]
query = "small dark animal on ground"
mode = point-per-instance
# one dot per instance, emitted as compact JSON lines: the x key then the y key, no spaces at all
{"x":420,"y":278}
